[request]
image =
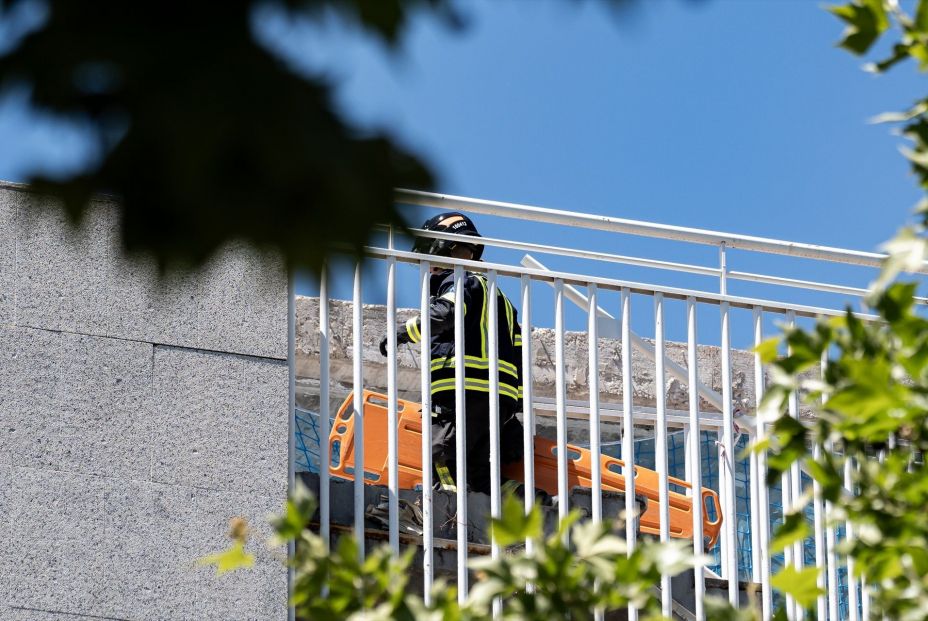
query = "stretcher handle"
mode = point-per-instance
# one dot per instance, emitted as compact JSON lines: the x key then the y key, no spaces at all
{"x":345,"y":420}
{"x":711,"y":527}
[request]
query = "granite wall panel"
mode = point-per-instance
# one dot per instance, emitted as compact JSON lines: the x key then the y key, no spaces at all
{"x":220,"y":421}
{"x":7,"y":262}
{"x":56,"y":559}
{"x":79,"y":281}
{"x":76,"y":403}
{"x":138,"y":415}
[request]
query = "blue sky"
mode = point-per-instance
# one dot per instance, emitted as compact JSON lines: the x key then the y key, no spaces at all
{"x":739,"y":116}
{"x":736,"y":116}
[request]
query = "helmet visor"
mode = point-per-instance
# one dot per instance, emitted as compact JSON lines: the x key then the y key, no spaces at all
{"x":422,"y":245}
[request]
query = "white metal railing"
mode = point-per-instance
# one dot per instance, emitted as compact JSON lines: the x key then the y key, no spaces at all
{"x":628,"y":417}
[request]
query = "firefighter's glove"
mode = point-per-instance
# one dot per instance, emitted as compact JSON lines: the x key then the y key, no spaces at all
{"x":401,"y":337}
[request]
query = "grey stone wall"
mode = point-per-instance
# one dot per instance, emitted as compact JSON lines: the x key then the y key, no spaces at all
{"x":137,"y":416}
{"x":543,"y":371}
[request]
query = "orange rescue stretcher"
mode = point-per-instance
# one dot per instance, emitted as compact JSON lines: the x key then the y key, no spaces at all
{"x":579,"y":471}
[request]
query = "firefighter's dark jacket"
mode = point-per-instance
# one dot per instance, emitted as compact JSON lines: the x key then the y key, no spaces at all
{"x":476,"y":355}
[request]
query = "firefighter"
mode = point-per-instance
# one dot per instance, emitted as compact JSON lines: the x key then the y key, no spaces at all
{"x":477,"y":394}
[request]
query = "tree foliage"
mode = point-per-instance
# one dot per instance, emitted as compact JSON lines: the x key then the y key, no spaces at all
{"x":205,"y":135}
{"x":867,"y":22}
{"x":556,"y":580}
{"x":867,"y":381}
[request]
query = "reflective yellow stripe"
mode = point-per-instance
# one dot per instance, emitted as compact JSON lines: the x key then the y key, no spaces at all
{"x":412,"y":329}
{"x":475,"y":385}
{"x":475,"y":362}
{"x":517,"y":341}
{"x":509,"y":316}
{"x":444,"y":475}
{"x":483,"y":319}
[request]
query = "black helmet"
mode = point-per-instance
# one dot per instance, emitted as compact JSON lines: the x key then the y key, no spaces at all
{"x":452,"y":222}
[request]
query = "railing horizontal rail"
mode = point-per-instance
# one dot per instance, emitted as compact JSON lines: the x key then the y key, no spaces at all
{"x":613,"y":413}
{"x":576,"y":253}
{"x":806,"y":284}
{"x":801,"y":310}
{"x":673,"y":266}
{"x":644,"y":229}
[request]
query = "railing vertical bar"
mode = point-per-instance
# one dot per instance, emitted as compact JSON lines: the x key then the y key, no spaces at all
{"x":830,"y":535}
{"x":425,"y":332}
{"x":849,"y":535}
{"x":561,"y":388}
{"x":864,"y":599}
{"x":723,"y":492}
{"x":595,"y":448}
{"x":291,"y":424}
{"x":723,"y":268}
{"x":358,"y":378}
{"x":688,"y":455}
{"x":695,"y":462}
{"x":796,"y":476}
{"x":785,"y":487}
{"x":726,"y":469}
{"x":819,"y":526}
{"x":660,"y":443}
{"x":392,"y":423}
{"x":864,"y":587}
{"x":528,"y":410}
{"x":754,"y":491}
{"x":460,"y":432}
{"x":628,"y":433}
{"x":324,"y":457}
{"x":823,"y":561}
{"x":493,"y":355}
{"x":763,"y":529}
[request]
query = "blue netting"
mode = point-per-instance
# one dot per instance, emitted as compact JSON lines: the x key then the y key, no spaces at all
{"x":709,"y":456}
{"x":307,"y":443}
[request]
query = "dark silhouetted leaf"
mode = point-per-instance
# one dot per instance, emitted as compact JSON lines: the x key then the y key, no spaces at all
{"x":866,"y":20}
{"x":209,"y":137}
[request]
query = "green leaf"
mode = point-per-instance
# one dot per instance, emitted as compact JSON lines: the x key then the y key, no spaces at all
{"x":901,"y":51}
{"x":229,"y":560}
{"x":919,"y":52}
{"x":901,"y":117}
{"x":896,"y":302}
{"x":720,"y":609}
{"x":907,"y":251}
{"x":794,"y":528}
{"x":299,"y":511}
{"x":769,"y":349}
{"x":514,"y":526}
{"x":802,"y":584}
{"x":866,"y":20}
{"x":921,"y":17}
